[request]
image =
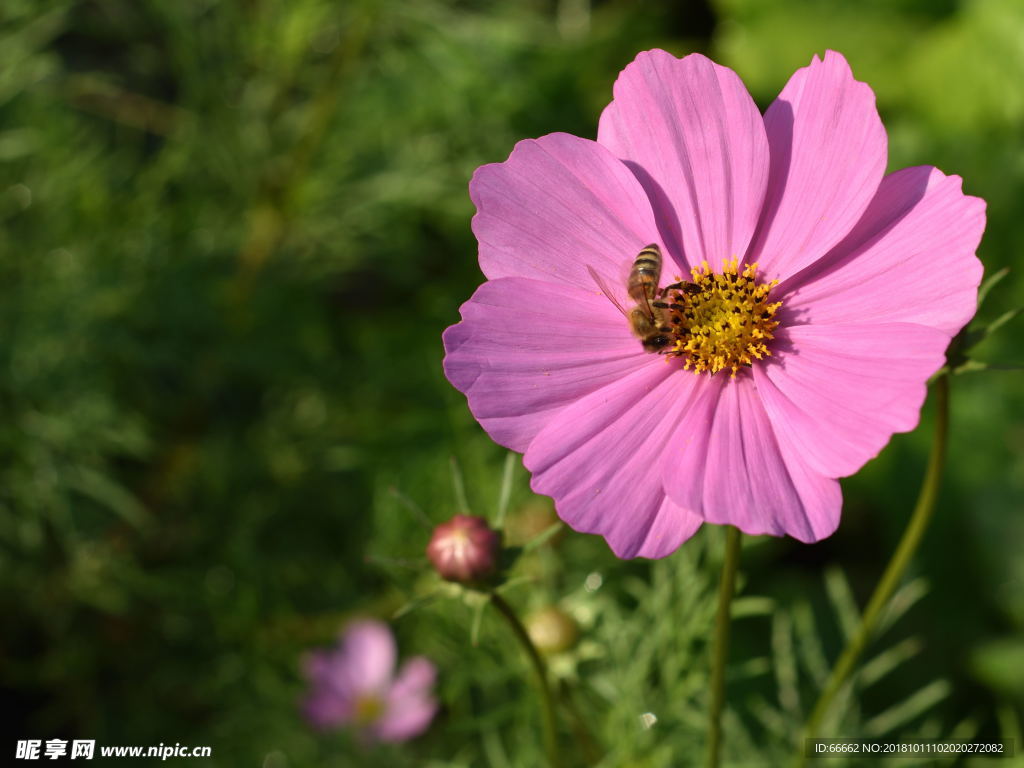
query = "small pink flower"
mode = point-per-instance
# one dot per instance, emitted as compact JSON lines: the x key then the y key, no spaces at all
{"x":758,"y":408}
{"x":355,"y":685}
{"x":465,"y":549}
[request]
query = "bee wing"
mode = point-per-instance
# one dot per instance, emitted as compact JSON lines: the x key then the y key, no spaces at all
{"x":605,"y":290}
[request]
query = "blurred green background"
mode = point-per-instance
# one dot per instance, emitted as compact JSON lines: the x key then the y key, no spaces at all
{"x":232,"y":233}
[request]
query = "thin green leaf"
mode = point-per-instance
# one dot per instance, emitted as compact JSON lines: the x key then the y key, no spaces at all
{"x":902,"y":713}
{"x":1002,"y":320}
{"x":1009,"y":724}
{"x":990,"y":283}
{"x":514,"y":583}
{"x":843,"y":707}
{"x":906,"y":597}
{"x":393,"y":562}
{"x":749,"y":668}
{"x":743,"y":607}
{"x":740,"y":740}
{"x":459,"y":487}
{"x":412,"y":506}
{"x":810,"y":650}
{"x":770,"y":718}
{"x":888,"y":660}
{"x":110,"y":494}
{"x":977,"y":335}
{"x":973,"y":366}
{"x":969,"y":366}
{"x":415,"y":604}
{"x":967,"y":729}
{"x":843,"y":604}
{"x":506,"y":490}
{"x":497,"y":757}
{"x":542,"y":537}
{"x":785,"y":665}
{"x":474,"y":630}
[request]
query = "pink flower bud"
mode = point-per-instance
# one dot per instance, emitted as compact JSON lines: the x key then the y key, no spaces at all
{"x":465,"y":549}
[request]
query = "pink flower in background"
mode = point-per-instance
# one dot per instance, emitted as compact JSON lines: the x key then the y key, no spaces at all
{"x":355,"y":685}
{"x":794,"y":364}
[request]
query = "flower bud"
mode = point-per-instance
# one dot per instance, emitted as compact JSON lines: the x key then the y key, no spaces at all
{"x":552,"y":630}
{"x":465,"y":549}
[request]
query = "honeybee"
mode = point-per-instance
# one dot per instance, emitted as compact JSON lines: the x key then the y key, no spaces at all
{"x":651,"y":320}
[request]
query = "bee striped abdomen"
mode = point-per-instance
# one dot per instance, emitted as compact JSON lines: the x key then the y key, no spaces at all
{"x":645,"y":274}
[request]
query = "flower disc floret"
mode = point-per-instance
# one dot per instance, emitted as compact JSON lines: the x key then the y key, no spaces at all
{"x":727,"y":323}
{"x":368,"y":708}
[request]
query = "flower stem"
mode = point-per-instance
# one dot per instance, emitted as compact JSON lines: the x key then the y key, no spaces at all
{"x":540,"y":674}
{"x":589,"y":748}
{"x":720,"y":651}
{"x":919,"y":520}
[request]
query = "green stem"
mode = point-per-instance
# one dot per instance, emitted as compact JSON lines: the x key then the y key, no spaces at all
{"x":540,"y":674}
{"x":919,"y":520}
{"x":720,"y":651}
{"x":589,"y":749}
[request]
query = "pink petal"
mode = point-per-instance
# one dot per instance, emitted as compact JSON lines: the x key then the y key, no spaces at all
{"x":526,"y":349}
{"x":415,"y":678}
{"x":672,"y":525}
{"x":909,"y":259}
{"x":728,"y":467}
{"x":828,"y":154}
{"x":410,"y":705}
{"x":330,"y":698}
{"x":696,"y":141}
{"x":599,"y":459}
{"x":368,"y":655}
{"x":836,"y":394}
{"x":323,"y":709}
{"x":556,"y":205}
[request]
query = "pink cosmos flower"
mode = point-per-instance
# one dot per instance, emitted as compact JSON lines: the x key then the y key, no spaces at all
{"x":354,"y":684}
{"x":782,"y":376}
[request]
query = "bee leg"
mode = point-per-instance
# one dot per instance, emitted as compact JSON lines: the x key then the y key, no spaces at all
{"x":682,"y":286}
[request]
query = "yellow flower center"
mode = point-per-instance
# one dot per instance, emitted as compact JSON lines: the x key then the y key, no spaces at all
{"x":722,"y":320}
{"x":368,"y":709}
